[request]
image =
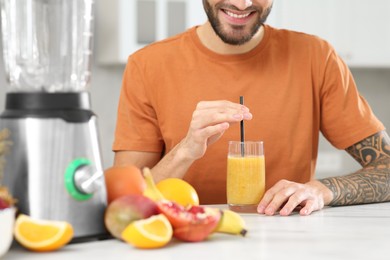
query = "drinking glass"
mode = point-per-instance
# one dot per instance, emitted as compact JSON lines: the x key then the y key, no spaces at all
{"x":245,"y":175}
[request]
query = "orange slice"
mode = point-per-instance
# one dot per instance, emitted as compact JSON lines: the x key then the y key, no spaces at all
{"x":179,"y":191}
{"x":153,"y":232}
{"x":42,"y":235}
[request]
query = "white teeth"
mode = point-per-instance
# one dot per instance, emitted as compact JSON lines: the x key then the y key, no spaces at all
{"x":239,"y":16}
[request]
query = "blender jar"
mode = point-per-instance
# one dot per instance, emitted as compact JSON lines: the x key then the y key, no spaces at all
{"x":47,"y":44}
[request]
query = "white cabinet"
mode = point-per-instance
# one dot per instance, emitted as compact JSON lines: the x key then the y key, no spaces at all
{"x":124,"y":26}
{"x":359,"y":30}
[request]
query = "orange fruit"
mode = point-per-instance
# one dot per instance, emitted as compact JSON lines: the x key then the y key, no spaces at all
{"x":42,"y":235}
{"x":179,"y":191}
{"x":123,"y":180}
{"x":153,"y":232}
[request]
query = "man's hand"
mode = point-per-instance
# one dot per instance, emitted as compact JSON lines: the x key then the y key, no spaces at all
{"x":209,"y":121}
{"x":371,"y":184}
{"x":286,"y":196}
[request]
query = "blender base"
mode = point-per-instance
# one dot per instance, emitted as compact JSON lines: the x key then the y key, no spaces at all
{"x":42,"y":149}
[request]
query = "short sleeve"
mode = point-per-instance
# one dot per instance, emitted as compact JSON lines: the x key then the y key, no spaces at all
{"x":346,"y":117}
{"x":137,"y":125}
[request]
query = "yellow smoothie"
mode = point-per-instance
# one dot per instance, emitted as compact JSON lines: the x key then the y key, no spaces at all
{"x":245,"y":180}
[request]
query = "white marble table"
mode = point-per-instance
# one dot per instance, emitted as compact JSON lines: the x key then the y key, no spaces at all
{"x":353,"y":232}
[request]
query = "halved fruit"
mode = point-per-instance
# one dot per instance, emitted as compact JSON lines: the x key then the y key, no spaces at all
{"x":42,"y":235}
{"x":153,"y":232}
{"x":191,"y":224}
{"x":126,"y":209}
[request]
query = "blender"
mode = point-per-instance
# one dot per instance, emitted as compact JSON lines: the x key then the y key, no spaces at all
{"x":54,"y":167}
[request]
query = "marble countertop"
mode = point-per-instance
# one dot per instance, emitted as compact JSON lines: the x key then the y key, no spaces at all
{"x":352,"y":232}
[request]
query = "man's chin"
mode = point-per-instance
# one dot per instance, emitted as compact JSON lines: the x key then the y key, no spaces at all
{"x":235,"y":40}
{"x":236,"y":34}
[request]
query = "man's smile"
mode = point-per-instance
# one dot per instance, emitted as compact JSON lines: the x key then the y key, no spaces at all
{"x":237,"y":17}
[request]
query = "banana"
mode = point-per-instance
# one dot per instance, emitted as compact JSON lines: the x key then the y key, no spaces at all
{"x":231,"y":223}
{"x":151,"y":190}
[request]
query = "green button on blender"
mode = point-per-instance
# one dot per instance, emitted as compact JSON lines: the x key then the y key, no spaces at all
{"x":69,"y":179}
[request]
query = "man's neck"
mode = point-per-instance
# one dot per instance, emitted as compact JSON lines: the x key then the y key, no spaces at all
{"x":212,"y":41}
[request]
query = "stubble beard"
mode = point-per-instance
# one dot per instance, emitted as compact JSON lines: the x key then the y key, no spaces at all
{"x":236,"y":34}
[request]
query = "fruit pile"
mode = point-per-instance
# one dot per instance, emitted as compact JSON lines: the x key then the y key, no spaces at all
{"x":147,"y":215}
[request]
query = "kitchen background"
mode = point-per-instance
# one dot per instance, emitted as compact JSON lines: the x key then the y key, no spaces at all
{"x":360,"y":32}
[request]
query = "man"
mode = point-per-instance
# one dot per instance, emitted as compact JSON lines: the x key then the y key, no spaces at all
{"x":179,"y":107}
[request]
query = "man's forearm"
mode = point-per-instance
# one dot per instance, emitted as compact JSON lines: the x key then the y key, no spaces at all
{"x":172,"y":165}
{"x":371,"y":183}
{"x":368,"y":185}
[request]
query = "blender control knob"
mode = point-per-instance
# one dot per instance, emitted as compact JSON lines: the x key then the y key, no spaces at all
{"x":85,"y":179}
{"x":81,"y":179}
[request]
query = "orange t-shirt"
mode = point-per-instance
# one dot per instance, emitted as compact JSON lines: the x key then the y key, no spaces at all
{"x":294,"y":84}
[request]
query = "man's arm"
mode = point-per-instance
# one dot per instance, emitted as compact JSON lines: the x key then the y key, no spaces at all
{"x":171,"y":165}
{"x":368,"y":185}
{"x":371,"y":183}
{"x":209,"y":122}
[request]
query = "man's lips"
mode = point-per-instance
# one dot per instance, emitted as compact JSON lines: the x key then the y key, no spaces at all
{"x":234,"y":15}
{"x":237,"y":17}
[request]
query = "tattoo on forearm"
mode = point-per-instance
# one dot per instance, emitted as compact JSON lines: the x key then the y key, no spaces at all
{"x":370,"y":184}
{"x":373,"y":148}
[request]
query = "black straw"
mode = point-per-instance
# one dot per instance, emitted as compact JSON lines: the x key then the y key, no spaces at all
{"x":242,"y":132}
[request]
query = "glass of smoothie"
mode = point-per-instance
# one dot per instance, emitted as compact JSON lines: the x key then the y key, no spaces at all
{"x":245,"y":175}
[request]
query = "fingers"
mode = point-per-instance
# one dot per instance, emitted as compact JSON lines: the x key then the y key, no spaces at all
{"x":274,"y":198}
{"x":209,"y":131}
{"x":307,"y":209}
{"x":211,"y":118}
{"x":287,"y":196}
{"x":209,"y":122}
{"x":215,"y":112}
{"x":220,"y":103}
{"x":299,"y":197}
